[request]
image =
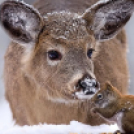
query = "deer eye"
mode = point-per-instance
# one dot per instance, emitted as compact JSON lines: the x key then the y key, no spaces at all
{"x":90,"y":52}
{"x":99,"y":96}
{"x":54,"y":55}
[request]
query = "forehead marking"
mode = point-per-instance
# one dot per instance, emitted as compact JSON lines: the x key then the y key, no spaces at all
{"x":66,"y":25}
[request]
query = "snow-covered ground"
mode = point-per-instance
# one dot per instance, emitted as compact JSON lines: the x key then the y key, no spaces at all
{"x":7,"y":126}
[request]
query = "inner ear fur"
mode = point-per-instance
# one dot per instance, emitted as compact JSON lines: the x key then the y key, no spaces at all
{"x":106,"y":18}
{"x":108,"y":87}
{"x":21,"y":21}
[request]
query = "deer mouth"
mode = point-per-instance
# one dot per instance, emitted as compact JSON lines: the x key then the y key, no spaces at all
{"x":86,"y":89}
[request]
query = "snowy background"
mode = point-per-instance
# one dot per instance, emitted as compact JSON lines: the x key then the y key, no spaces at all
{"x":6,"y":122}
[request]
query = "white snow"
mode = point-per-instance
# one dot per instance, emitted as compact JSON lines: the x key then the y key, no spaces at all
{"x":5,"y":115}
{"x":7,"y":126}
{"x":89,"y":82}
{"x":119,"y":121}
{"x":81,"y":95}
{"x":73,"y":128}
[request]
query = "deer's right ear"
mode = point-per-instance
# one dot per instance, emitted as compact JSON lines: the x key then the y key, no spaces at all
{"x":22,"y":22}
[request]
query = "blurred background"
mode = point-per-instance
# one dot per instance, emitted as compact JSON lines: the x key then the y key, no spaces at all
{"x":130,"y":54}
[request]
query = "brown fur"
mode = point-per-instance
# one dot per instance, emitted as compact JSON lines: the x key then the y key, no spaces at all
{"x":115,"y":103}
{"x":31,"y":83}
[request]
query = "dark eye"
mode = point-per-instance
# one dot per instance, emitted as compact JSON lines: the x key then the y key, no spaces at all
{"x":54,"y":55}
{"x":99,"y":96}
{"x":90,"y":52}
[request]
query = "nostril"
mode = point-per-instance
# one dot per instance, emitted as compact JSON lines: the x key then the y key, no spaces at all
{"x":94,"y":84}
{"x":97,"y":85}
{"x":83,"y":84}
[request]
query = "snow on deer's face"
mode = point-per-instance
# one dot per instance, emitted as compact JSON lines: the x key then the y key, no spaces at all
{"x":60,"y":46}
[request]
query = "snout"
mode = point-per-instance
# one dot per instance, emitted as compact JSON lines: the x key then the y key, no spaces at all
{"x":86,"y":87}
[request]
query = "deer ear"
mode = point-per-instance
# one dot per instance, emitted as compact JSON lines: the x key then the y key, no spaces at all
{"x":22,"y":22}
{"x":106,"y":18}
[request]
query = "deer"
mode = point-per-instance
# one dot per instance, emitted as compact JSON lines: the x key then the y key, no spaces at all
{"x":60,"y":54}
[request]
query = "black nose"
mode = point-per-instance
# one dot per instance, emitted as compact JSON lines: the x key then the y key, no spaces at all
{"x":88,"y":85}
{"x":84,"y":83}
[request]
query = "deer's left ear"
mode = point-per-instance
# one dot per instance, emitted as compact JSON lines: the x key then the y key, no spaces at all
{"x":107,"y":17}
{"x":22,"y":22}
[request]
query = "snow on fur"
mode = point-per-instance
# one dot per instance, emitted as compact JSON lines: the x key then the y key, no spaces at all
{"x":7,"y":126}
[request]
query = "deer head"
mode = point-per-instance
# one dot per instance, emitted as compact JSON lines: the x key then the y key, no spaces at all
{"x":60,"y":46}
